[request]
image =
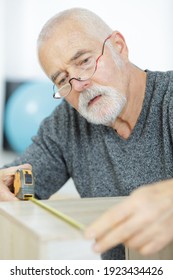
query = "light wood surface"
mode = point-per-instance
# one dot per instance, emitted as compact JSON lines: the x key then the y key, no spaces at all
{"x":30,"y":232}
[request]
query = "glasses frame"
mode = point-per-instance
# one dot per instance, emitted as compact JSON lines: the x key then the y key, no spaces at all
{"x":79,"y":79}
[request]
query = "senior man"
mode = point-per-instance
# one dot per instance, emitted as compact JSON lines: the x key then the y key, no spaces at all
{"x":113,"y":133}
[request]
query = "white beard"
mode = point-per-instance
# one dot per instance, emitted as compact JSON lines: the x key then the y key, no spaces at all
{"x":103,"y":111}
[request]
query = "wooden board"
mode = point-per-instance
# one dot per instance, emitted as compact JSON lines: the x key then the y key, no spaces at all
{"x":30,"y":232}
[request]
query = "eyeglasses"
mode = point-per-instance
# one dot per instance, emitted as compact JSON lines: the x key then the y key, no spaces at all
{"x":87,"y":69}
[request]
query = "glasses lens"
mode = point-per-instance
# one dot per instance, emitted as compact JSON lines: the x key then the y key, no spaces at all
{"x":62,"y":92}
{"x":87,"y":72}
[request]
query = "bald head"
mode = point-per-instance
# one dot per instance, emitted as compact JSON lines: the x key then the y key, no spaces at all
{"x":71,"y":37}
{"x":74,"y":19}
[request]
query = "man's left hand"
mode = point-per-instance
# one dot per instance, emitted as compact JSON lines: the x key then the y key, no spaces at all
{"x":143,"y":221}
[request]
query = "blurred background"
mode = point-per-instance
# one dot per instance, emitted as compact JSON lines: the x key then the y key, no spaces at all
{"x":26,"y":93}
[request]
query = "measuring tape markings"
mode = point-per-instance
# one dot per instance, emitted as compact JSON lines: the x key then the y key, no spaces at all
{"x":58,"y":214}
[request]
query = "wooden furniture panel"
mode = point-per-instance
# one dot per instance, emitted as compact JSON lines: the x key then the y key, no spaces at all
{"x":30,"y":232}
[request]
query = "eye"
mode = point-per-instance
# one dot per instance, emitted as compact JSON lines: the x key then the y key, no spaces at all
{"x":61,"y":82}
{"x":86,"y":61}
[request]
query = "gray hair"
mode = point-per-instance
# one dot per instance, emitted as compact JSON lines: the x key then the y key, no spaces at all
{"x":91,"y":23}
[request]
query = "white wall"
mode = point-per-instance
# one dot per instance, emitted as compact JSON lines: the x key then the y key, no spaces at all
{"x":146,"y":25}
{"x":1,"y":67}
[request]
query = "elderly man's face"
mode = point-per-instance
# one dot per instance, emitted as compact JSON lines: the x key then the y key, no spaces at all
{"x":99,"y":99}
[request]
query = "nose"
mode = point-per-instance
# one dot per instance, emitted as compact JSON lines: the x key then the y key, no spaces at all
{"x":79,"y":85}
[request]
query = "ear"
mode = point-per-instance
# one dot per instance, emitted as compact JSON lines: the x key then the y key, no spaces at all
{"x":119,"y":43}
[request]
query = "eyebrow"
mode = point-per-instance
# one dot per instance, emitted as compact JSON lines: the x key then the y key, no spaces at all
{"x":55,"y":76}
{"x":77,"y":55}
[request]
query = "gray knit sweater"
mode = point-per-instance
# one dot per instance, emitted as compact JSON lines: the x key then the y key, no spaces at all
{"x":100,"y":162}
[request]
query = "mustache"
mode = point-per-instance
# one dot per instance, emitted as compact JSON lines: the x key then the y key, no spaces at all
{"x":93,"y":91}
{"x":106,"y":110}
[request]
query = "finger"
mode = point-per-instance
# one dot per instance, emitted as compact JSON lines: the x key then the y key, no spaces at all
{"x":12,"y":170}
{"x":8,"y":180}
{"x":155,"y":234}
{"x":5,"y":194}
{"x":125,"y":231}
{"x":146,"y":242}
{"x":119,"y":234}
{"x":154,"y":246}
{"x":108,"y":220}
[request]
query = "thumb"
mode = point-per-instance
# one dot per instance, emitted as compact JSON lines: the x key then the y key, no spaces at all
{"x":12,"y":170}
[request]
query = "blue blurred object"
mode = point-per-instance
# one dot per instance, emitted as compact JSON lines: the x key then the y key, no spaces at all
{"x":27,"y":106}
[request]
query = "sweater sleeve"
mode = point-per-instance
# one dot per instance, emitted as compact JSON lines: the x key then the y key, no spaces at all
{"x":46,"y":155}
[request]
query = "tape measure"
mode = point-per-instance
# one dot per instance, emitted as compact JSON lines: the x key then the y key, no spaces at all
{"x":24,"y":190}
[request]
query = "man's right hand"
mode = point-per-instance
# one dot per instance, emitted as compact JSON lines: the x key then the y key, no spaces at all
{"x":7,"y":179}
